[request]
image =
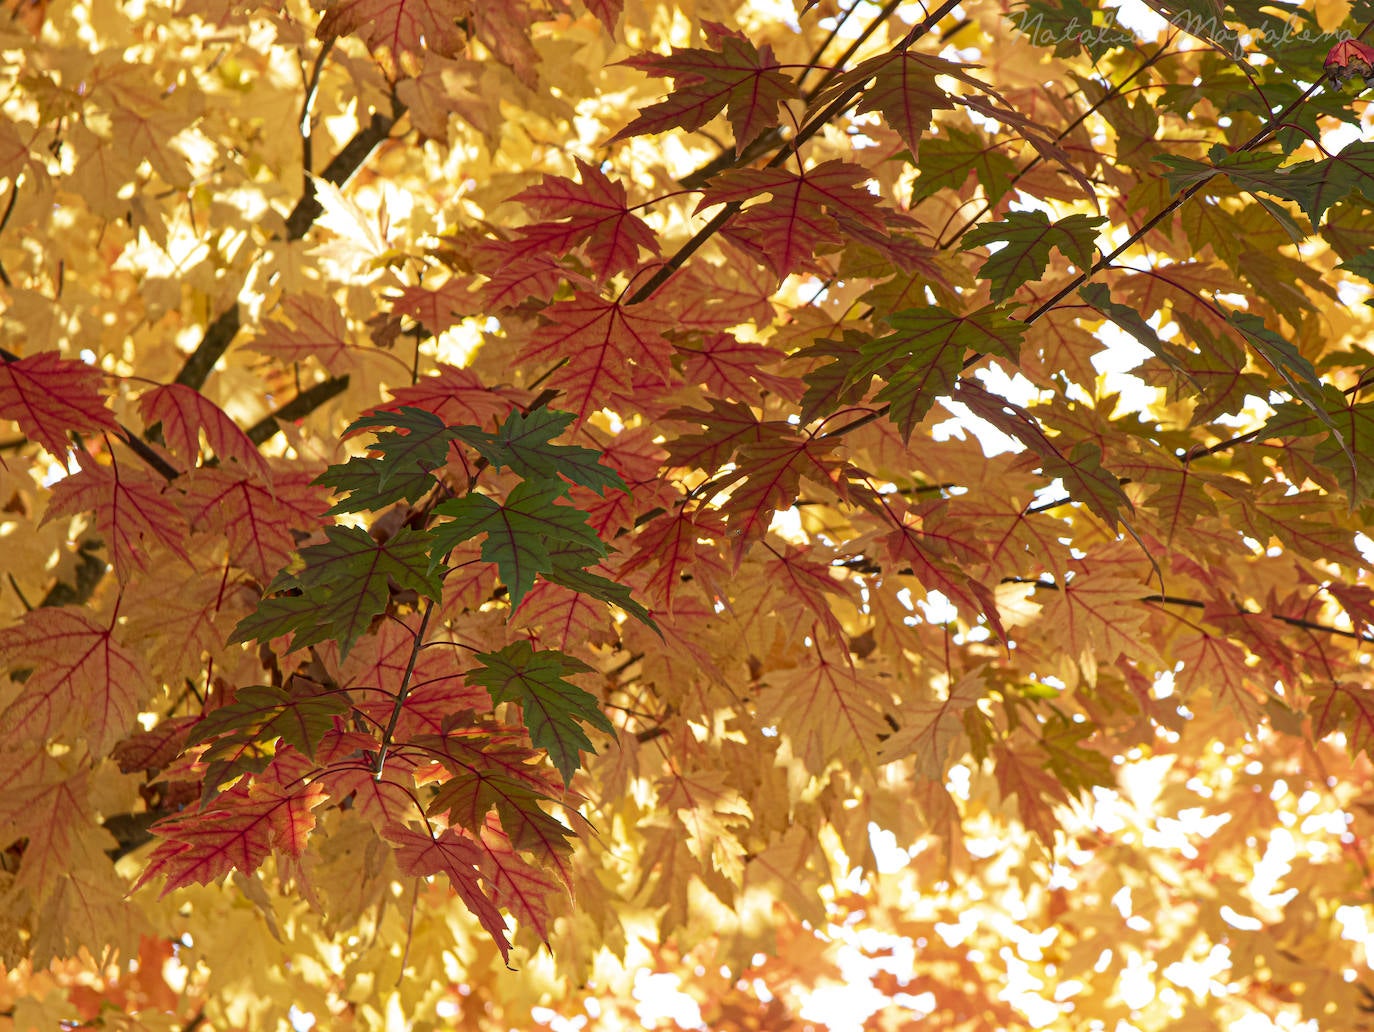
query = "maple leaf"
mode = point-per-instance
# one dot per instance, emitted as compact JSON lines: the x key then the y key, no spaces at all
{"x":343,"y":585}
{"x":398,"y":26}
{"x":743,"y":80}
{"x":568,"y":569}
{"x":768,"y":480}
{"x":948,"y":159}
{"x":238,"y":833}
{"x":379,"y":666}
{"x":470,"y":795}
{"x":316,"y":329}
{"x":922,"y":357}
{"x":1303,"y":182}
{"x":524,"y":444}
{"x":258,"y":519}
{"x":827,"y":709}
{"x":480,"y":746}
{"x":523,"y":888}
{"x":133,"y":512}
{"x":600,"y":346}
{"x":47,"y":805}
{"x":1021,"y":771}
{"x":903,"y":89}
{"x":785,"y":231}
{"x":729,"y":367}
{"x":154,"y":749}
{"x":299,"y":714}
{"x":1097,"y":616}
{"x":436,"y":309}
{"x":403,"y":468}
{"x":1099,"y":297}
{"x":1347,"y":707}
{"x":929,"y":729}
{"x":457,"y":396}
{"x":592,"y":213}
{"x":552,"y":705}
{"x":519,"y":531}
{"x":564,"y":618}
{"x":184,"y":413}
{"x":50,"y":396}
{"x":423,"y":854}
{"x":1081,"y":470}
{"x":676,"y":549}
{"x":1027,"y":237}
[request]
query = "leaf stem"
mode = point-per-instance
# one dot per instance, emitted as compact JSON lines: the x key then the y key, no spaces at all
{"x":405,"y":689}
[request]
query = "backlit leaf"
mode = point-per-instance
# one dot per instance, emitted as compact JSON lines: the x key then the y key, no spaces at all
{"x":553,"y":707}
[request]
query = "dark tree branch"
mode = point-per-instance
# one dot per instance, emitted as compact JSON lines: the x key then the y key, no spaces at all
{"x":221,"y":331}
{"x":304,"y":403}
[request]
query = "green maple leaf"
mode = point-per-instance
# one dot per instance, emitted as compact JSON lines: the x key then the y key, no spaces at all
{"x":949,"y":158}
{"x":1349,"y":453}
{"x":402,"y":470}
{"x":552,"y":705}
{"x":524,"y":444}
{"x":1352,"y":170}
{"x":260,"y":713}
{"x":1257,"y":172}
{"x":1068,"y":24}
{"x":1300,"y":376}
{"x":423,"y":445}
{"x":1027,"y":237}
{"x":922,"y":357}
{"x":343,"y":584}
{"x":519,"y":531}
{"x":361,"y":479}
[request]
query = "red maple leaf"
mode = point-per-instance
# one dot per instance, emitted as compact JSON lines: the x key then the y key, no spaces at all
{"x":676,"y":549}
{"x":398,"y":26}
{"x":591,"y":213}
{"x":46,"y":804}
{"x":607,"y":11}
{"x":519,"y":886}
{"x":237,"y":833}
{"x":602,"y":345}
{"x":729,"y":367}
{"x":423,"y":853}
{"x":48,"y":395}
{"x":132,"y":512}
{"x":437,"y":688}
{"x":908,"y":546}
{"x":184,"y":412}
{"x":513,"y":278}
{"x":457,"y":396}
{"x":560,"y":618}
{"x":257,"y":518}
{"x":904,"y":90}
{"x":786,"y":231}
{"x":738,"y":77}
{"x":769,"y":476}
{"x":437,"y":308}
{"x":83,"y":683}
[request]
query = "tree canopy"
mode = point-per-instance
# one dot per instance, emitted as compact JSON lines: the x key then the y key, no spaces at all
{"x":737,"y":514}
